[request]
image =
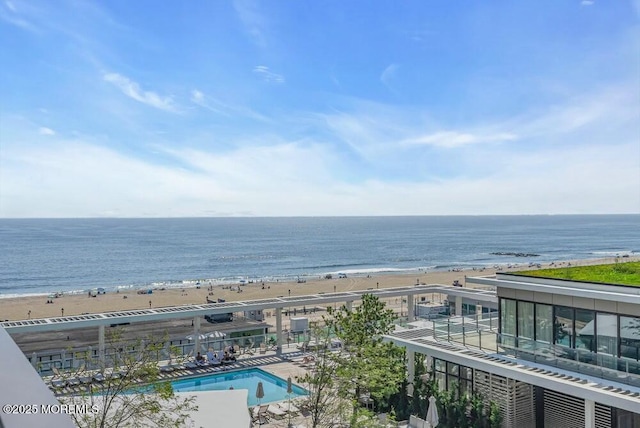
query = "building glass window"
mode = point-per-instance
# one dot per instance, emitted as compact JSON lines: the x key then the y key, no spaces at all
{"x":630,"y":337}
{"x":563,"y":326}
{"x":453,"y":377}
{"x":452,"y":369}
{"x":607,"y":334}
{"x":544,"y":321}
{"x":525,"y":320}
{"x":441,"y":378}
{"x":585,"y":328}
{"x":508,"y":317}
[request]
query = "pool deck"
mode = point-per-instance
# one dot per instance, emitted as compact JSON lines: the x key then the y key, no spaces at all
{"x":286,"y":365}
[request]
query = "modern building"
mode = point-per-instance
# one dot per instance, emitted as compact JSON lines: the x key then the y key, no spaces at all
{"x":557,"y":353}
{"x":560,"y":354}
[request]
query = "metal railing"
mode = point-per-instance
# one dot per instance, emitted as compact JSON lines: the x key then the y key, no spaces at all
{"x":88,"y":357}
{"x":481,"y":332}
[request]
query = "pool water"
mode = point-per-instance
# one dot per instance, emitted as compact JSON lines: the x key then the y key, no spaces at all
{"x":275,"y":388}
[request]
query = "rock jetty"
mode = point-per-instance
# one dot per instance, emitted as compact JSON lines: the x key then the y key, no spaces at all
{"x":502,"y":253}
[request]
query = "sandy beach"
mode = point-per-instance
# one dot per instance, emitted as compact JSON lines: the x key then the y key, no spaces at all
{"x":36,"y":307}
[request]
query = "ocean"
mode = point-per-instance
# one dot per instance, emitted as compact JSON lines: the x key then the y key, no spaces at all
{"x":42,"y":256}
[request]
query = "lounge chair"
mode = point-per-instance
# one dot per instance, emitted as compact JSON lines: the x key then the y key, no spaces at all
{"x":288,"y":407}
{"x":416,"y":422}
{"x":98,"y":377}
{"x":260,"y":415}
{"x":165,"y":369}
{"x":191,"y":365}
{"x":263,"y":348}
{"x":304,"y":346}
{"x":57,"y":380}
{"x":276,"y":411}
{"x":73,"y":381}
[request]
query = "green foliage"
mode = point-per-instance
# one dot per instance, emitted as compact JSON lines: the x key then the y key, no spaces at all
{"x":134,"y":397}
{"x":495,"y":417}
{"x":476,"y":412}
{"x":322,"y":402}
{"x":455,"y":410}
{"x":614,"y":273}
{"x":369,"y":365}
{"x":399,"y":402}
{"x":363,"y":325}
{"x":365,"y":364}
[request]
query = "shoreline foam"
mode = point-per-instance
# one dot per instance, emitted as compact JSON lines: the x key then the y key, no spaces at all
{"x":270,"y":279}
{"x":25,"y":307}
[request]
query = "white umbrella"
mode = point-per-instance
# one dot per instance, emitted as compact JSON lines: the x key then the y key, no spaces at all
{"x":216,"y":335}
{"x":432,"y":418}
{"x":260,"y":392}
{"x":191,"y":337}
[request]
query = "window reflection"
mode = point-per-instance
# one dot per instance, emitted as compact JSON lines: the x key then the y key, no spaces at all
{"x":607,"y":328}
{"x":563,"y":326}
{"x":630,"y":337}
{"x":525,"y":320}
{"x":544,"y":321}
{"x":585,"y":327}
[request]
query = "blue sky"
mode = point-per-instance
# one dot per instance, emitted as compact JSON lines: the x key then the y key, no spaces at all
{"x":277,"y":108}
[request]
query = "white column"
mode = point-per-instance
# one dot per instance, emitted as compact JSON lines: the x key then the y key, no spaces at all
{"x":410,"y":308}
{"x":411,"y":370}
{"x":349,"y":305}
{"x":458,"y":306}
{"x":196,"y":335}
{"x":589,"y":414}
{"x":101,"y":345}
{"x":278,"y":331}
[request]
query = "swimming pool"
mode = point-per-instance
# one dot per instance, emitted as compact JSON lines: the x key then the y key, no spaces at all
{"x":275,"y":389}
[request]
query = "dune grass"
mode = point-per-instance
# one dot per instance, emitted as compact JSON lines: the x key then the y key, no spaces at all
{"x":616,"y":273}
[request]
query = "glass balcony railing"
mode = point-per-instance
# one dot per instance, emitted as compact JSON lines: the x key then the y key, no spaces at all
{"x":481,"y":332}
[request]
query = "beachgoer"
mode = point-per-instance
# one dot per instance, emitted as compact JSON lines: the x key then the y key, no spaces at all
{"x":199,"y":358}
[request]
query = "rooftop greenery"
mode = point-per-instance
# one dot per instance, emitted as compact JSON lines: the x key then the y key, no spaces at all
{"x":616,"y":273}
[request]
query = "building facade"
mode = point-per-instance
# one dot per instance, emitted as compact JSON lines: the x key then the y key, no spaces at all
{"x":561,"y":354}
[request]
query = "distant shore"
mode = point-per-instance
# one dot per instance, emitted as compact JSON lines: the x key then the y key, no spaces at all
{"x":33,"y":307}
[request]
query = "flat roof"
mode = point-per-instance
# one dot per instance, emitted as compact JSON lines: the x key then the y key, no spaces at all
{"x":626,"y":274}
{"x":614,"y":293}
{"x":190,"y":311}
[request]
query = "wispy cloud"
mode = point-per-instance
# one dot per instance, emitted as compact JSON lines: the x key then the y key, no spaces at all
{"x":11,"y":14}
{"x":388,"y":74}
{"x":207,"y":102}
{"x":46,"y":131}
{"x":199,"y":98}
{"x":252,"y":20}
{"x":267,"y":75}
{"x":133,"y":90}
{"x":587,"y":2}
{"x":454,"y":139}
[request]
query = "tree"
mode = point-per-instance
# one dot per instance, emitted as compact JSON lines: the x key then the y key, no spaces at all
{"x":324,"y":404}
{"x":131,"y":394}
{"x":366,"y":364}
